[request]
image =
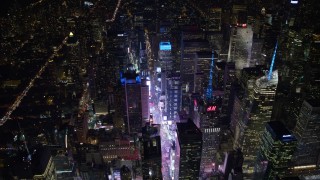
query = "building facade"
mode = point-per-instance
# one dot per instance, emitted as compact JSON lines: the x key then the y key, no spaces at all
{"x":307,"y":134}
{"x":276,"y":152}
{"x":136,"y":94}
{"x":189,"y":148}
{"x":257,"y":113}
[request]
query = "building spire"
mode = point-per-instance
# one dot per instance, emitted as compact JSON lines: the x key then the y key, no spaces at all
{"x":272,"y":62}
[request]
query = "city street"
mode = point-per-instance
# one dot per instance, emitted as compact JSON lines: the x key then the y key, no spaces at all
{"x":30,"y":85}
{"x":167,"y":134}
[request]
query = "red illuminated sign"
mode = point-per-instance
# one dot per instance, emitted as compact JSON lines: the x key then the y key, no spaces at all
{"x":195,"y":102}
{"x":211,"y":108}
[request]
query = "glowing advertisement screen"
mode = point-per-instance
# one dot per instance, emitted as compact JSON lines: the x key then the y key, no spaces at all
{"x":211,"y":108}
{"x":165,"y":46}
{"x":294,"y":1}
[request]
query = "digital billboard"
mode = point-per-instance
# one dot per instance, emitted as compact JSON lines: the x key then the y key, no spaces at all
{"x":211,"y":108}
{"x":165,"y":46}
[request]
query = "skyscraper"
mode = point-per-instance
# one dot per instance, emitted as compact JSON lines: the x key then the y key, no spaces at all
{"x":173,"y":93}
{"x":151,"y":158}
{"x":210,"y":126}
{"x":228,"y":89}
{"x":144,"y":101}
{"x":277,"y":148}
{"x":308,"y":134}
{"x":300,"y":53}
{"x":258,"y":113}
{"x":202,"y":62}
{"x":237,"y":125}
{"x":164,"y":55}
{"x":291,"y":85}
{"x":189,"y":48}
{"x":240,"y":44}
{"x":134,"y":97}
{"x":189,"y":147}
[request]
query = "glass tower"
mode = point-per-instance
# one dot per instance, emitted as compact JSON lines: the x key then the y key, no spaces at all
{"x":277,"y":148}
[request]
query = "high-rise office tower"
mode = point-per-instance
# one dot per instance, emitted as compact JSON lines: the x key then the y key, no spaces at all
{"x":173,"y":93}
{"x":289,"y":96}
{"x":136,"y":95}
{"x":144,"y":101}
{"x":189,"y":48}
{"x":242,"y":92}
{"x":202,"y":61}
{"x":210,"y":126}
{"x":143,"y":59}
{"x":189,"y":147}
{"x":237,"y":124}
{"x":211,"y":12}
{"x":300,"y":53}
{"x":258,"y":113}
{"x":240,"y":44}
{"x":308,"y":134}
{"x":277,"y":148}
{"x":229,"y":77}
{"x":74,"y":49}
{"x":214,"y":19}
{"x":299,"y":75}
{"x":164,"y":56}
{"x":151,"y":158}
{"x":219,"y":76}
{"x":165,"y":66}
{"x":191,"y":32}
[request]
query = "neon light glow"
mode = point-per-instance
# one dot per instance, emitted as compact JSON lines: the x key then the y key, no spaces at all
{"x":272,"y":62}
{"x":138,"y":79}
{"x":195,"y":102}
{"x":165,"y":46}
{"x":211,"y":108}
{"x":209,"y":88}
{"x":286,"y":136}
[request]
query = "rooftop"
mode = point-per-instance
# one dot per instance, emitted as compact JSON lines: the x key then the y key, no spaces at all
{"x":206,"y":54}
{"x":198,"y":43}
{"x":263,"y":81}
{"x":23,"y":168}
{"x":188,"y":131}
{"x":279,"y":131}
{"x":254,"y":71}
{"x":315,"y":103}
{"x":152,"y":148}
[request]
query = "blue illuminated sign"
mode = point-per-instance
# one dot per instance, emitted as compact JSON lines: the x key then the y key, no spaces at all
{"x":285,"y":136}
{"x":165,"y":46}
{"x":138,"y":79}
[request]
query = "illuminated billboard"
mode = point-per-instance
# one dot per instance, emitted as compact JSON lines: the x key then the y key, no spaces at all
{"x":211,"y":108}
{"x":165,"y":46}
